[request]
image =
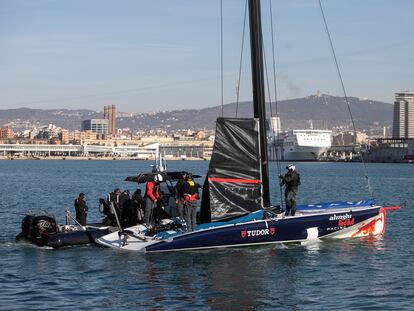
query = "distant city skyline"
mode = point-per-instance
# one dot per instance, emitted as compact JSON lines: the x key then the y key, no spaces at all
{"x":146,"y":56}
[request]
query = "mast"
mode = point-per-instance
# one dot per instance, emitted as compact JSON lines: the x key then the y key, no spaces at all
{"x":258,"y":92}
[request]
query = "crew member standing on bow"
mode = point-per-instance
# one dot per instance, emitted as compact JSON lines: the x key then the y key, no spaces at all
{"x":152,"y":195}
{"x":81,"y":209}
{"x":291,"y":181}
{"x":190,"y":191}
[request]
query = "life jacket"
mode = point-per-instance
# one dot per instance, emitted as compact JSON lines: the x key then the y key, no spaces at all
{"x":152,"y":191}
{"x":190,"y":198}
{"x":191,"y":191}
{"x":192,"y":187}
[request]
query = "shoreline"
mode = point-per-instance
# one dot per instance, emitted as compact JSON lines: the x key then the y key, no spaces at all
{"x":72,"y":158}
{"x":2,"y":158}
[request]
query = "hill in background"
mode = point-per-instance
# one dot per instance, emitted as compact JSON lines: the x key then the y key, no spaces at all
{"x":325,"y":111}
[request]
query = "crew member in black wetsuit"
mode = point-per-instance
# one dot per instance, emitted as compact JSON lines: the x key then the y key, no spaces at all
{"x":81,"y":209}
{"x":137,"y":207}
{"x":180,"y":195}
{"x":190,"y":192}
{"x":291,"y":181}
{"x":125,"y":206}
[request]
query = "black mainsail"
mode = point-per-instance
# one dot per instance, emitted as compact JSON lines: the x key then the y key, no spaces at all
{"x":234,"y":174}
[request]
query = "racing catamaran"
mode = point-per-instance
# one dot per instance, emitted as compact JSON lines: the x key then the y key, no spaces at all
{"x":236,"y":209}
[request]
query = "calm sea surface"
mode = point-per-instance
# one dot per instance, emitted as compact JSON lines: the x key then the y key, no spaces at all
{"x":358,"y":274}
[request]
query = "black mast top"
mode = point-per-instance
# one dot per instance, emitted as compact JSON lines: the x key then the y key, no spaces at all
{"x":258,"y":92}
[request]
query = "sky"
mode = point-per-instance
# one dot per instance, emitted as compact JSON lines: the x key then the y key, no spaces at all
{"x":154,"y":55}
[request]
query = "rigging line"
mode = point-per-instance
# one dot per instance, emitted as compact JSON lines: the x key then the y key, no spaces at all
{"x":370,"y":189}
{"x":275,"y":137}
{"x":221,"y":56}
{"x":271,"y":120}
{"x":272,"y":127}
{"x":267,"y":81}
{"x":241,"y":60}
{"x":273,"y":56}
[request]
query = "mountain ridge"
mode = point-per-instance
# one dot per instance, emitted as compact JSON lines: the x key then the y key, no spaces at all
{"x":324,"y":111}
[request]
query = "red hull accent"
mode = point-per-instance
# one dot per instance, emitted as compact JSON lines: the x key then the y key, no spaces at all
{"x":392,"y":208}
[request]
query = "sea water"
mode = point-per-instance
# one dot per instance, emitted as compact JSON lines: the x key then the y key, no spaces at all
{"x":352,"y":274}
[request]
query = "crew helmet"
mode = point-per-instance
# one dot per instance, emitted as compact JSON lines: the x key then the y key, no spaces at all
{"x":158,"y":177}
{"x":290,"y":167}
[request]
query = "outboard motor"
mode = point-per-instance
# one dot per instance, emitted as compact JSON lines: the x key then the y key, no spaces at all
{"x":42,"y":228}
{"x":27,"y":225}
{"x":37,"y":229}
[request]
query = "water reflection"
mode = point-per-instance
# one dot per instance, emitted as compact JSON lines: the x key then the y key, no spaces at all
{"x":312,"y":246}
{"x":233,"y":279}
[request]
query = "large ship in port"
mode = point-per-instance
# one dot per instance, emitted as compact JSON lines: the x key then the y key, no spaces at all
{"x":296,"y":145}
{"x":305,"y":145}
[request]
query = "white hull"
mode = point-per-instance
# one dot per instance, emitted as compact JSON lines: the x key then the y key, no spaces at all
{"x":135,"y":240}
{"x":303,"y":153}
{"x":305,"y":145}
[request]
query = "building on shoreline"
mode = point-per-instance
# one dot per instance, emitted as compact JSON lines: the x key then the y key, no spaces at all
{"x":97,"y":126}
{"x":175,"y":150}
{"x":399,"y":148}
{"x":6,"y":133}
{"x":391,"y":150}
{"x":110,"y":115}
{"x":403,"y":123}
